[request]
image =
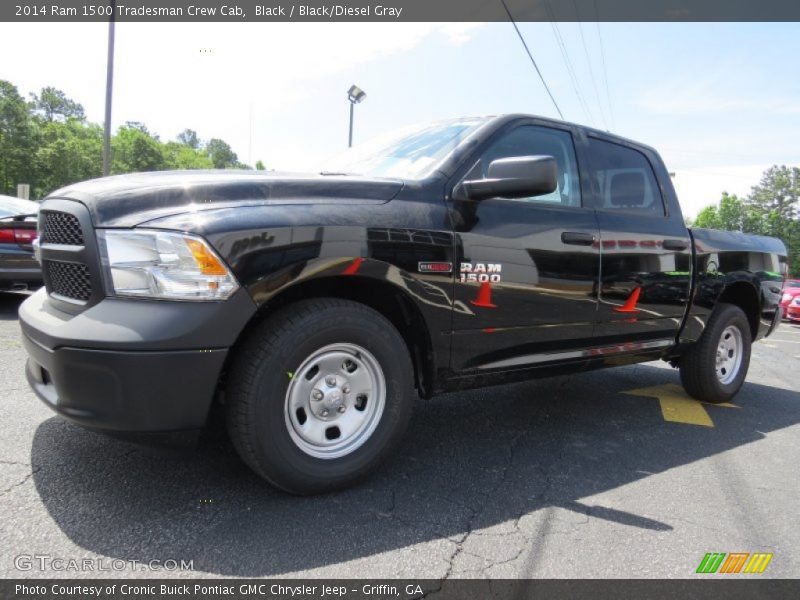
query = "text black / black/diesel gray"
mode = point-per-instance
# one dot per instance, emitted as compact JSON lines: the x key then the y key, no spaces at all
{"x":460,"y":254}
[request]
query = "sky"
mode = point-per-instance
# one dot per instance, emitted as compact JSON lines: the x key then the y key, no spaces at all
{"x":720,"y":101}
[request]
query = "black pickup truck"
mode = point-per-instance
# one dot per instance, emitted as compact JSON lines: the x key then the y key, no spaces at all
{"x":315,"y":308}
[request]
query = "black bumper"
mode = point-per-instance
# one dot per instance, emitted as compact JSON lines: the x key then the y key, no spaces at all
{"x":131,"y":366}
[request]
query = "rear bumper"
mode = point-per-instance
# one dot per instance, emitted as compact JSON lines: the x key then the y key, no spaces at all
{"x":131,"y":366}
{"x":14,"y":277}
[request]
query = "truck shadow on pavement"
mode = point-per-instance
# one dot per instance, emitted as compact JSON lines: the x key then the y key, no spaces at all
{"x":469,"y":461}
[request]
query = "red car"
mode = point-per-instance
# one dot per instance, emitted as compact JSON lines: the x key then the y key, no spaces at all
{"x":790,"y":302}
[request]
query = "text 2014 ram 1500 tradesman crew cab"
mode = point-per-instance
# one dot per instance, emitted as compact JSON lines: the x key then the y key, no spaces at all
{"x":460,"y":254}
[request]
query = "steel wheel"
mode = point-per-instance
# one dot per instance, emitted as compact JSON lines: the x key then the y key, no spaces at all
{"x":729,"y":354}
{"x":335,"y":400}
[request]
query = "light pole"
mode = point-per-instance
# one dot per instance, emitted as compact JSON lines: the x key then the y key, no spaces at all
{"x":355,"y":94}
{"x":109,"y":88}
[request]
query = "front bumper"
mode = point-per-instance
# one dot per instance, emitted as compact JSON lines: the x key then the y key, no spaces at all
{"x":131,"y":366}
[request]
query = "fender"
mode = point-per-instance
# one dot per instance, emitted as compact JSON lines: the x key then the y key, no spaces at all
{"x":419,"y":309}
{"x":745,"y":270}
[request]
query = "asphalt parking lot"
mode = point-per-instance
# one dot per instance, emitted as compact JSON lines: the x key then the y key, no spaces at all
{"x":566,"y":477}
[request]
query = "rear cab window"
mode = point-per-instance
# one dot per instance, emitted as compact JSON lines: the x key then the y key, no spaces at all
{"x":624,"y":179}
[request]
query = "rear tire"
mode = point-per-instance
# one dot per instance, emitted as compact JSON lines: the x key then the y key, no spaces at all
{"x":319,"y":394}
{"x":714,"y":368}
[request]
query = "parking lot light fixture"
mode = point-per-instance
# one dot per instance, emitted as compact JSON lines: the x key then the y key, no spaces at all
{"x":355,"y":95}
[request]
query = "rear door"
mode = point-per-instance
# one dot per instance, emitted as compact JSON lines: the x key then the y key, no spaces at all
{"x":527,"y":269}
{"x":644,"y":244}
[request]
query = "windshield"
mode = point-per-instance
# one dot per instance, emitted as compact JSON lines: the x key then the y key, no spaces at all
{"x":410,"y":153}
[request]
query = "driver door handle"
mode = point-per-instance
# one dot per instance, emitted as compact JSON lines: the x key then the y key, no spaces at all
{"x":578,"y":238}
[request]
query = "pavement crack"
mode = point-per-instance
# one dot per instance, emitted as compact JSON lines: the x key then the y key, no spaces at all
{"x":23,"y":481}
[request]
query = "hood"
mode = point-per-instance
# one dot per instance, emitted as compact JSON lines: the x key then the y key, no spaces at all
{"x":130,"y":200}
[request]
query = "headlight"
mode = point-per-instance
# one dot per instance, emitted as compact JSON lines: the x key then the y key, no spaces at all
{"x":786,"y":298}
{"x":170,"y":266}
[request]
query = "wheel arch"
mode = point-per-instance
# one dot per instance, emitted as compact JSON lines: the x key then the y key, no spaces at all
{"x":356,"y":279}
{"x":743,"y":293}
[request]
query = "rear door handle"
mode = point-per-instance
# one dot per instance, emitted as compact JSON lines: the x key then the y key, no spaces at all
{"x":675,"y":245}
{"x":577,"y":238}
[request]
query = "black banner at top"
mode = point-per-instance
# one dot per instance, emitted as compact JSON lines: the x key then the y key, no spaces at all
{"x":397,"y":10}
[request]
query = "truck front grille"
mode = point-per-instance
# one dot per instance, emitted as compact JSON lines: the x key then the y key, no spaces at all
{"x":60,"y":228}
{"x":70,"y":280}
{"x":69,"y":256}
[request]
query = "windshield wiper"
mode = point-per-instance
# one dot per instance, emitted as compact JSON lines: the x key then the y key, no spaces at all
{"x":334,"y":173}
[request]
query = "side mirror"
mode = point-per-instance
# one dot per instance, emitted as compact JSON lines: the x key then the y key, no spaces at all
{"x":514,"y":177}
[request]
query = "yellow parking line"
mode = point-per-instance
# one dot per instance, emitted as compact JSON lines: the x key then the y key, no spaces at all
{"x":677,"y":406}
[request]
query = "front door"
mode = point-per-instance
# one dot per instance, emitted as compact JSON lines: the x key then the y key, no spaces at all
{"x":527,"y":269}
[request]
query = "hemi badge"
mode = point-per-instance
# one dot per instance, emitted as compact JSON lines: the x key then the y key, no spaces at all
{"x":435,"y":267}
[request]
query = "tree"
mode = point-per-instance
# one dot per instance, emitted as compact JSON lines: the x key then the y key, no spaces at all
{"x":67,"y":152}
{"x":708,"y":218}
{"x":189,"y":138}
{"x":222,"y":156}
{"x":52,"y":103}
{"x":183,"y":156}
{"x":732,"y":212}
{"x":48,"y":143}
{"x":776,"y":199}
{"x":17,"y":139}
{"x":134,"y":150}
{"x":772,"y":208}
{"x":260,"y":166}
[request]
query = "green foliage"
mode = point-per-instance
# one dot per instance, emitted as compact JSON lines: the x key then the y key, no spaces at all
{"x":221,"y":154}
{"x":48,"y":143}
{"x":182,"y":156}
{"x":707,"y":218}
{"x":260,"y":166}
{"x":17,"y":139}
{"x":772,"y":208}
{"x":67,"y":152}
{"x":776,"y":200}
{"x":732,"y":214}
{"x":188,"y":137}
{"x":134,"y":149}
{"x":52,"y":104}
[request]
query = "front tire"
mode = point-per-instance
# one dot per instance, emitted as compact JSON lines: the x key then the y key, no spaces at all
{"x":714,"y":368}
{"x":319,"y":394}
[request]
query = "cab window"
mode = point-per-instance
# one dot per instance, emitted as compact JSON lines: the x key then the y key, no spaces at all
{"x":624,"y":179}
{"x":530,"y":140}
